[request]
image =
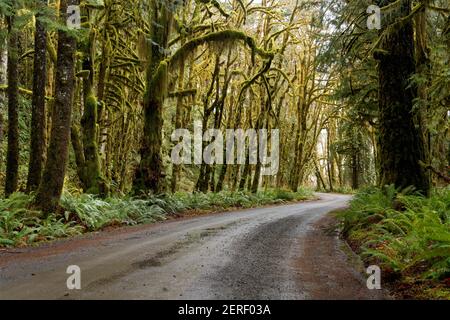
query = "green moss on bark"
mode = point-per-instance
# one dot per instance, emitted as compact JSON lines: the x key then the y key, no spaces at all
{"x":92,"y":177}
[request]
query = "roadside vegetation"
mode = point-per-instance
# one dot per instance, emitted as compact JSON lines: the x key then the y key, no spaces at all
{"x":20,"y":225}
{"x":407,"y":235}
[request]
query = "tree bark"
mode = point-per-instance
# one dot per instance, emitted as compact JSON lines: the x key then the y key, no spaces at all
{"x":51,"y":187}
{"x":3,"y":77}
{"x":12,"y":157}
{"x":401,"y":142}
{"x":38,"y":117}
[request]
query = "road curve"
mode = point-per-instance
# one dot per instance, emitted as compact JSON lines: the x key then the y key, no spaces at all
{"x":279,"y":252}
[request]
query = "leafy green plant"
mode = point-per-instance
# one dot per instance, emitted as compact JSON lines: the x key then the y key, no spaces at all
{"x":20,"y":225}
{"x":405,"y":232}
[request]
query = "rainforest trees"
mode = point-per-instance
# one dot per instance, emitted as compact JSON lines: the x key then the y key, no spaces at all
{"x":352,"y":106}
{"x":51,"y":186}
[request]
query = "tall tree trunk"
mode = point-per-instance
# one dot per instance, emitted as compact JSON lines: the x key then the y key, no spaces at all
{"x":176,"y":169}
{"x":50,"y":189}
{"x":401,"y":142}
{"x":38,"y":117}
{"x":446,"y":34}
{"x":150,"y":171}
{"x":92,"y":179}
{"x":12,"y":157}
{"x":149,"y":174}
{"x":3,"y":77}
{"x":423,"y":67}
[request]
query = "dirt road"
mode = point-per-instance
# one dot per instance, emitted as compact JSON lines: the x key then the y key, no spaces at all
{"x":280,"y":252}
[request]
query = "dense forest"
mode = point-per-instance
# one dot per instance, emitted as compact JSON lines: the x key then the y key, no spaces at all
{"x":342,"y":98}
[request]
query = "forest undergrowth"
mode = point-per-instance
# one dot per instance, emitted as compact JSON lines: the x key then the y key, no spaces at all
{"x":407,"y":235}
{"x":20,"y":225}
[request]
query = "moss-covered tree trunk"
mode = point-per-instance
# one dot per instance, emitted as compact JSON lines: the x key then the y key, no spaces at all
{"x":78,"y":151}
{"x":92,"y":180}
{"x":51,"y":187}
{"x":38,"y":117}
{"x":401,"y":141}
{"x":12,"y":157}
{"x":91,"y":171}
{"x":150,"y":171}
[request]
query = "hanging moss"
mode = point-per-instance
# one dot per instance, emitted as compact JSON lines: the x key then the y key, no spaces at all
{"x":149,"y":173}
{"x":220,"y":36}
{"x":217,"y":5}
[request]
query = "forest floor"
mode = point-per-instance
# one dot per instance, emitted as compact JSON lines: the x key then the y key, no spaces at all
{"x":284,"y":252}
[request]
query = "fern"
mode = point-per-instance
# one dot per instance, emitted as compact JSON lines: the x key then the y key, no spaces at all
{"x":415,"y":238}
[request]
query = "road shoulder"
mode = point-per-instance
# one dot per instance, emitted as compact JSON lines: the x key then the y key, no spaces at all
{"x":328,"y":269}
